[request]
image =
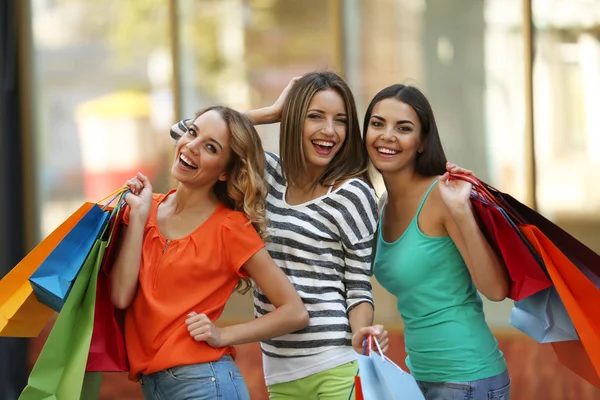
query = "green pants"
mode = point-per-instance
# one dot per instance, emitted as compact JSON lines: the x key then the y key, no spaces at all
{"x":333,"y":384}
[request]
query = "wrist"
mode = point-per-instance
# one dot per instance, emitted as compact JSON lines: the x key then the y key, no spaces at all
{"x":270,"y":114}
{"x":138,"y":216}
{"x":224,"y":335}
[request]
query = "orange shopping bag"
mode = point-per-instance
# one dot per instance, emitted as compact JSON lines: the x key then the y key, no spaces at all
{"x":581,"y":298}
{"x":21,"y":315}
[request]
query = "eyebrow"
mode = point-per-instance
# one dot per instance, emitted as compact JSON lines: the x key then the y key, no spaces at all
{"x":323,"y":112}
{"x":209,"y":139}
{"x":402,"y":121}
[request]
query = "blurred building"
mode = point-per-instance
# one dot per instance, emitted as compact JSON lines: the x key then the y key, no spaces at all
{"x":91,"y":87}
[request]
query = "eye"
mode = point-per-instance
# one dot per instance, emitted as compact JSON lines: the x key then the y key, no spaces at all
{"x":405,"y":129}
{"x":342,"y":121}
{"x":211,"y":148}
{"x":376,"y":124}
{"x":191,"y":132}
{"x":314,"y":116}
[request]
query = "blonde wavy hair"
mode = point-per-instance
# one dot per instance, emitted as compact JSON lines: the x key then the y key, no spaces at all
{"x":245,"y":189}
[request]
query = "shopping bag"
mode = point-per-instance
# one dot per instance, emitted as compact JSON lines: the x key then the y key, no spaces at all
{"x":53,"y":279}
{"x":582,"y":256}
{"x":526,"y":274}
{"x":107,"y":348}
{"x":21,"y":315}
{"x":60,"y":368}
{"x":381,"y":379}
{"x":543,"y":317}
{"x":357,"y":389}
{"x":580,"y":297}
{"x":574,"y":356}
{"x":59,"y":372}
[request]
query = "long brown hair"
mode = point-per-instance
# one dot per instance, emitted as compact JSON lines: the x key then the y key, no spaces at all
{"x":432,"y":160}
{"x":245,"y":189}
{"x":351,"y":161}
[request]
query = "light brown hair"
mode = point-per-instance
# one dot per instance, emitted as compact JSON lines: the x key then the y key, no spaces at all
{"x":245,"y":189}
{"x":351,"y":161}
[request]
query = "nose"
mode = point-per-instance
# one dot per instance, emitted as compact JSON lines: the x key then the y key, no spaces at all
{"x":328,"y":129}
{"x":193,"y":146}
{"x":388,"y":135}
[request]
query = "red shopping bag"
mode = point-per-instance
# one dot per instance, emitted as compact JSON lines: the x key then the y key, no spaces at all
{"x":582,"y":256}
{"x":107,"y":348}
{"x":358,"y":389}
{"x":526,"y":274}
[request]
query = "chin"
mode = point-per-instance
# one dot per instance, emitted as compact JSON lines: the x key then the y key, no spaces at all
{"x":319,"y":162}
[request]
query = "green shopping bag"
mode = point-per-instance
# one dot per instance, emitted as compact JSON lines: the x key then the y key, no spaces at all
{"x":60,"y":369}
{"x":59,"y":372}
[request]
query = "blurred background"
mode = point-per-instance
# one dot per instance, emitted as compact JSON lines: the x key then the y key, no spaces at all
{"x":89,"y":89}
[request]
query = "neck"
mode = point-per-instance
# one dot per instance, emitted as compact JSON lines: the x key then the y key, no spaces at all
{"x":309,"y":180}
{"x":192,"y":199}
{"x":400,"y":183}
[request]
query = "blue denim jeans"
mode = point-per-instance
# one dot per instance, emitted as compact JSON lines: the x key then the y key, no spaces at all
{"x":208,"y":381}
{"x":493,"y":388}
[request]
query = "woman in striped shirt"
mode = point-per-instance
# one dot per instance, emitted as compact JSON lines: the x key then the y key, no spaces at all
{"x":322,"y":214}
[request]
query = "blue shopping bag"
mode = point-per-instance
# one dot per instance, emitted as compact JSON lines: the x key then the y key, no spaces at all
{"x":543,"y":317}
{"x":53,"y":279}
{"x":382,"y":379}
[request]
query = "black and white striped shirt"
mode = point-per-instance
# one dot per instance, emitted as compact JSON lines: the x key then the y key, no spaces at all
{"x":324,"y":247}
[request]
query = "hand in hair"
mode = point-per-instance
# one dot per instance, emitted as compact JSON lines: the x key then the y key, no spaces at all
{"x":277,"y":107}
{"x":271,"y":114}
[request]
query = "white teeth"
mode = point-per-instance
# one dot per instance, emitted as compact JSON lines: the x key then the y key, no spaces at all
{"x":323,"y":143}
{"x":187,"y":160}
{"x":386,"y":151}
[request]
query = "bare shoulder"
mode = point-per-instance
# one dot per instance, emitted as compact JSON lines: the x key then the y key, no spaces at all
{"x":436,"y":204}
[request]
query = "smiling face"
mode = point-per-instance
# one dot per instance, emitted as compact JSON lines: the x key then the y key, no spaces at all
{"x":324,"y":129}
{"x":203,"y":153}
{"x":393,"y":137}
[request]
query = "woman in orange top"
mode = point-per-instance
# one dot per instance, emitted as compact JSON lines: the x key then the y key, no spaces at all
{"x":184,"y":253}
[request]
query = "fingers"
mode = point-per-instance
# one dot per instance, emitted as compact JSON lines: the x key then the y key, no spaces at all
{"x":143,"y":179}
{"x":455,"y":169}
{"x":199,"y":326}
{"x":135,"y":185}
{"x":363,"y":333}
{"x":383,"y":339}
{"x":138,"y":183}
{"x":294,"y":80}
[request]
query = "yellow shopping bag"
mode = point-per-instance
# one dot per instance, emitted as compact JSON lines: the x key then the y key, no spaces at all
{"x":21,"y":315}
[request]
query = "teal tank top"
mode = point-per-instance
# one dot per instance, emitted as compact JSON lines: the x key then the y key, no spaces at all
{"x":446,"y":336}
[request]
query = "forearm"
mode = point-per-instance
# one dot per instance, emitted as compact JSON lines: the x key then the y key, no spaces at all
{"x":283,"y":320}
{"x":126,"y":268}
{"x":262,"y":116}
{"x":487,"y":271}
{"x":361,"y":316}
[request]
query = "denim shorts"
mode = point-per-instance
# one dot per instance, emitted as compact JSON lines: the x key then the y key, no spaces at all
{"x":492,"y":388}
{"x":214,"y":380}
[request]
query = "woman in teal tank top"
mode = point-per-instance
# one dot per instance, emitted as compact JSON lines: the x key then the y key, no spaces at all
{"x":431,"y":254}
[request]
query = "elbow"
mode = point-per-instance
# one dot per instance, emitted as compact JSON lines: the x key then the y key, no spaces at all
{"x":120,"y":300}
{"x":120,"y":303}
{"x":498,"y":293}
{"x":300,"y":317}
{"x":496,"y":297}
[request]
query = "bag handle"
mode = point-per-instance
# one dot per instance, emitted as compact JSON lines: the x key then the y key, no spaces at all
{"x":484,"y":194}
{"x":114,"y":195}
{"x":116,"y":212}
